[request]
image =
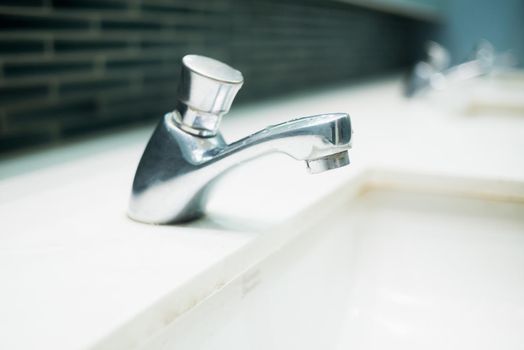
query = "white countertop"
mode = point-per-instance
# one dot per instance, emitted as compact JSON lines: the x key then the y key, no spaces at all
{"x":76,"y":271}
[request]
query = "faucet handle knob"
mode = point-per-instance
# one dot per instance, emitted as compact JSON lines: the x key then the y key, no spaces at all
{"x":206,"y":91}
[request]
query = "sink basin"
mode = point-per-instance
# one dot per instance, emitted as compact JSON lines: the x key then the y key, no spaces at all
{"x":499,"y":94}
{"x":396,"y":261}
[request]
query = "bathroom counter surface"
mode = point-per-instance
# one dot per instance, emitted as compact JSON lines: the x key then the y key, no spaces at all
{"x":77,"y":273}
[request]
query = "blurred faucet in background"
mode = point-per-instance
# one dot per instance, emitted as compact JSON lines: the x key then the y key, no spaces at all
{"x":434,"y":73}
{"x":428,"y":72}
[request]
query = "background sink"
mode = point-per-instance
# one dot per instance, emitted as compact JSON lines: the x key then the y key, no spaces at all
{"x":410,"y":264}
{"x":499,"y":94}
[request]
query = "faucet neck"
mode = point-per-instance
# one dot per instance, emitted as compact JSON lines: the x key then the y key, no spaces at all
{"x":195,"y":122}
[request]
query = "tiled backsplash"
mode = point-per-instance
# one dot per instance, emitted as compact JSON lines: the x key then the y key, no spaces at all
{"x":69,"y":67}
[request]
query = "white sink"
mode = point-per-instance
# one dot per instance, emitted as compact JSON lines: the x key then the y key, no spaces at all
{"x":403,"y":262}
{"x":500,"y":94}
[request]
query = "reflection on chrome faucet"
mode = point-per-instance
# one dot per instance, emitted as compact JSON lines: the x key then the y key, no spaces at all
{"x":186,"y":152}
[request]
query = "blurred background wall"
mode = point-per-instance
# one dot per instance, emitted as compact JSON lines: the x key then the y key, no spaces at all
{"x":500,"y":22}
{"x":73,"y":67}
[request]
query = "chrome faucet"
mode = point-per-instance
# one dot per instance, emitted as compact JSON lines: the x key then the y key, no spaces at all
{"x":186,"y":152}
{"x":434,"y":72}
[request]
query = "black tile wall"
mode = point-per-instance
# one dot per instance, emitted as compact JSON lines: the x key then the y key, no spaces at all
{"x":68,"y":68}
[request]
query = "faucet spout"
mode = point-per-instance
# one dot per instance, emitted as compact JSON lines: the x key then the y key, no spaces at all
{"x":307,"y":138}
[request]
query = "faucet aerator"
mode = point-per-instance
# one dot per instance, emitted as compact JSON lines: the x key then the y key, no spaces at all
{"x":333,"y":161}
